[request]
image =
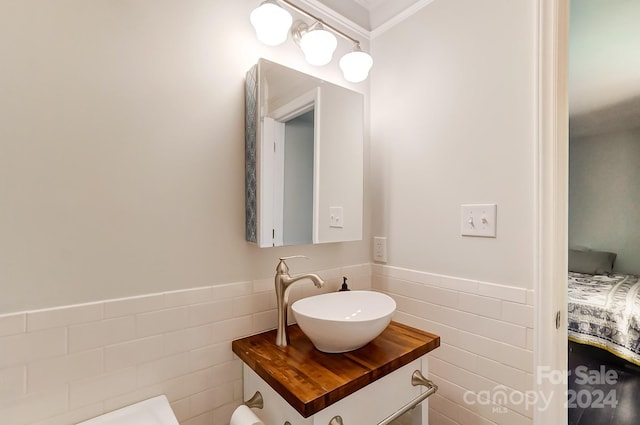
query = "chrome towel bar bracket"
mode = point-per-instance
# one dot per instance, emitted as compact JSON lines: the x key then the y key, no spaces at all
{"x":336,"y":420}
{"x":255,"y":402}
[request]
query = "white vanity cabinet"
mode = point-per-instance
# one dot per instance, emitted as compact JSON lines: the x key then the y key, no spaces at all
{"x":368,"y":406}
{"x":303,"y":386}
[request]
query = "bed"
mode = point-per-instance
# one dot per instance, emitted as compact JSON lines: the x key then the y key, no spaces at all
{"x":604,"y":311}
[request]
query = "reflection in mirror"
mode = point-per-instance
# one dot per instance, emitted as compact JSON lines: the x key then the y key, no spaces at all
{"x":304,"y":158}
{"x":297,"y":205}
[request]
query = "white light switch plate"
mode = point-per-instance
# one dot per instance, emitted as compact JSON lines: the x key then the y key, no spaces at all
{"x":479,"y":220}
{"x":335,"y":217}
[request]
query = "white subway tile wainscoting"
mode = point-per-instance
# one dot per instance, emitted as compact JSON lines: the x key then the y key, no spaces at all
{"x":486,"y":349}
{"x":63,"y":365}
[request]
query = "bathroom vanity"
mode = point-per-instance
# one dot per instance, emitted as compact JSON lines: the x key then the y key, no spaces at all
{"x":304,"y":386}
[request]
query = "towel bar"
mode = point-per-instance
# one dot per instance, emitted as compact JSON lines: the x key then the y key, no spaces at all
{"x":255,"y":402}
{"x":416,"y":379}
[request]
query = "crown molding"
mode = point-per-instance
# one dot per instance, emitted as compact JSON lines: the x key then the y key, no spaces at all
{"x":395,"y":20}
{"x":318,"y":8}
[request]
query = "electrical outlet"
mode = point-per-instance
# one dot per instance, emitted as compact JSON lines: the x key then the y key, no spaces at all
{"x":380,"y":249}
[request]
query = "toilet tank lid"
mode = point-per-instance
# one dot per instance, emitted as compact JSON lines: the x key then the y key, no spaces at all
{"x":154,"y":411}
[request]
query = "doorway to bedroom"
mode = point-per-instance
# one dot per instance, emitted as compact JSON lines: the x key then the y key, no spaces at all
{"x":604,"y":212}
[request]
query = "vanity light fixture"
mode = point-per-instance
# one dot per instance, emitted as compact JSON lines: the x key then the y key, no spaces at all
{"x":272,"y":24}
{"x":316,"y":43}
{"x":355,"y":66}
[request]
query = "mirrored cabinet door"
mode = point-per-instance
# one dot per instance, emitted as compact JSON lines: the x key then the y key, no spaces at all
{"x":304,"y":158}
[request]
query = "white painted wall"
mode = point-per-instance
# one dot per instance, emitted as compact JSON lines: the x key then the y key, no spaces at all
{"x":604,"y":195}
{"x":454,"y":122}
{"x":122,"y":150}
{"x":122,"y":185}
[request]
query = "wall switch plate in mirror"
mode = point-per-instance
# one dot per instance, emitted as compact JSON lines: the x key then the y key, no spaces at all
{"x":335,"y":217}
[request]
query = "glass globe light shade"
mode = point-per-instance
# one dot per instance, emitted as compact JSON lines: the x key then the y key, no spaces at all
{"x":318,"y":46}
{"x":271,"y":23}
{"x":356,"y":65}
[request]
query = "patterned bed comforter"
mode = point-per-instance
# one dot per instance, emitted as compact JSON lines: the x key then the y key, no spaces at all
{"x":604,"y":311}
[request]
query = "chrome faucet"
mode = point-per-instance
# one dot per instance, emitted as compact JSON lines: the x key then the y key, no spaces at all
{"x":283,"y":281}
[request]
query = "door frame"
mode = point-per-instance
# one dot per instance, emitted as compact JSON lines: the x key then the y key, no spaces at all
{"x":552,"y":163}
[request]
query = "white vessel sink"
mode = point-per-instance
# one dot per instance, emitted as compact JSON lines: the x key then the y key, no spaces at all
{"x":343,"y":321}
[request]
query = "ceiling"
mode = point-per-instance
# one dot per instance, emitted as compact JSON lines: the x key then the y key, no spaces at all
{"x":604,"y":41}
{"x":370,"y":14}
{"x":604,"y":59}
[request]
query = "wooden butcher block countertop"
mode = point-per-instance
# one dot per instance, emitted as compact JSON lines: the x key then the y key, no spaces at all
{"x":311,"y":380}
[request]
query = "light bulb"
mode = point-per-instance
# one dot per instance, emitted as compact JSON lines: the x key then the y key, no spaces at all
{"x":356,"y":65}
{"x":271,"y":23}
{"x":318,"y":46}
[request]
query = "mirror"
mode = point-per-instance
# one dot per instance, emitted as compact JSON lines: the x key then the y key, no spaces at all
{"x":304,"y":158}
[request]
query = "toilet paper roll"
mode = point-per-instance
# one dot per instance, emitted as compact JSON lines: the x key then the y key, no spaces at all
{"x":244,"y":416}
